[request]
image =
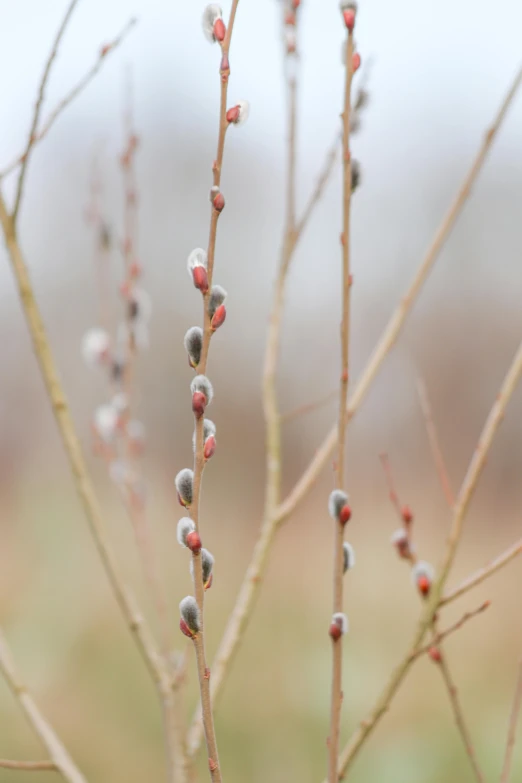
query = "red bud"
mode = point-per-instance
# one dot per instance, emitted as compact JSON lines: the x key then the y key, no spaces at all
{"x":183,"y":627}
{"x":105,"y":49}
{"x":233,"y":114}
{"x":345,"y":515}
{"x":200,"y":277}
{"x":219,"y":30}
{"x":356,"y":61}
{"x":296,"y":4}
{"x":210,"y":447}
{"x":194,"y":542}
{"x":407,"y":515}
{"x":208,"y":584}
{"x":135,"y":270}
{"x":349,"y":18}
{"x":290,"y":18}
{"x":435,"y":654}
{"x":218,"y":318}
{"x":424,"y":584}
{"x":199,"y":403}
{"x":218,"y":202}
{"x":335,"y":632}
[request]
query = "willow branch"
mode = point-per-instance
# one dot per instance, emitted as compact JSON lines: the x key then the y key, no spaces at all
{"x":459,"y":718}
{"x":27,"y":766}
{"x":38,"y":105}
{"x":338,"y":570}
{"x":461,"y":506}
{"x":512,"y":728}
{"x":199,"y":458}
{"x":483,"y":573}
{"x":433,"y":437}
{"x":399,"y":316}
{"x":59,"y":757}
{"x":37,"y":135}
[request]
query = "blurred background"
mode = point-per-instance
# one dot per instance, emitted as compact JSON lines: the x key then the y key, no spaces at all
{"x":440,"y":70}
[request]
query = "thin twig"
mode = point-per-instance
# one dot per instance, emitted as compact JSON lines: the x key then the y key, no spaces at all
{"x":60,"y":759}
{"x":37,"y":135}
{"x":38,"y":107}
{"x":440,"y":636}
{"x":336,"y":697}
{"x":483,"y":573}
{"x":398,"y":318}
{"x":27,"y":766}
{"x":309,"y":407}
{"x":392,"y":492}
{"x":438,"y":457}
{"x":459,"y":718}
{"x":512,"y":728}
{"x":461,"y":506}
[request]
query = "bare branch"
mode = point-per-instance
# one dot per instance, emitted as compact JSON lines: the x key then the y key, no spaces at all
{"x":459,"y":718}
{"x":27,"y":766}
{"x":438,"y":457}
{"x":441,"y":635}
{"x":512,"y":728}
{"x":60,"y":759}
{"x":38,"y":106}
{"x":483,"y":573}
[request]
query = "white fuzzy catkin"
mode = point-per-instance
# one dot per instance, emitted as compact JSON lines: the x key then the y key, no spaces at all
{"x":202,"y":384}
{"x":422,"y":568}
{"x":106,"y":420}
{"x":95,"y":347}
{"x":336,"y":502}
{"x":185,"y":526}
{"x":348,"y":557}
{"x":207,"y":564}
{"x":185,"y":485}
{"x":341,"y":621}
{"x":189,"y":611}
{"x":211,"y":14}
{"x":197,"y":257}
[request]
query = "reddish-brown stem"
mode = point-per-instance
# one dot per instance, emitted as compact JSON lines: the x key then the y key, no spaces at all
{"x":337,"y":645}
{"x":309,"y":407}
{"x":199,"y":459}
{"x":512,"y":728}
{"x":440,"y":636}
{"x":392,"y":492}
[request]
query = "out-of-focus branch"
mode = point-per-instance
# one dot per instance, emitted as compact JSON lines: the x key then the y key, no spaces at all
{"x":438,"y":457}
{"x":512,"y":728}
{"x":27,"y":766}
{"x":59,"y":757}
{"x":483,"y":573}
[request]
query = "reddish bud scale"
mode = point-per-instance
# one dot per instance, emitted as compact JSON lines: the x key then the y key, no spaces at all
{"x":218,"y":202}
{"x":290,"y":18}
{"x":403,"y":548}
{"x":219,"y":30}
{"x":218,"y":318}
{"x":182,"y":502}
{"x":210,"y":447}
{"x":105,"y":49}
{"x":296,"y":4}
{"x":135,"y":270}
{"x":199,"y":403}
{"x":335,"y":632}
{"x":208,"y":583}
{"x":200,"y":277}
{"x":345,"y":515}
{"x":194,"y":542}
{"x":233,"y":114}
{"x":183,"y":627}
{"x":435,"y":654}
{"x":424,"y":585}
{"x":356,"y":61}
{"x":407,"y":515}
{"x":349,"y":18}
